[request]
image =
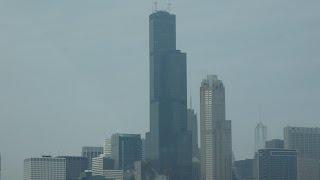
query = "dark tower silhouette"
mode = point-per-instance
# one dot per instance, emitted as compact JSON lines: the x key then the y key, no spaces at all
{"x":169,"y":143}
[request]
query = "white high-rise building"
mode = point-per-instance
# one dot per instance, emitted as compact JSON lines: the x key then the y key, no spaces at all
{"x":216,"y":142}
{"x":260,"y":137}
{"x":104,"y":166}
{"x":107,"y":147}
{"x":44,"y":168}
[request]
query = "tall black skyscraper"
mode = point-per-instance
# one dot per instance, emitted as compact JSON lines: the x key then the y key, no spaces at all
{"x":169,"y":144}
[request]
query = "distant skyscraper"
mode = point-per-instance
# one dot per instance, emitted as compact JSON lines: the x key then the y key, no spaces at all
{"x":0,"y":166}
{"x":216,"y":143}
{"x":107,"y":147}
{"x":169,"y":145}
{"x":275,"y":144}
{"x":305,"y":140}
{"x":75,"y":166}
{"x":126,"y":149}
{"x":276,"y":164}
{"x":260,"y":137}
{"x":91,"y":152}
{"x":307,"y":143}
{"x":193,"y":128}
{"x":44,"y":168}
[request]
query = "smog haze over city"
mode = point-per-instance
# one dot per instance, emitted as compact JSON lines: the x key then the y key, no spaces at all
{"x":73,"y":72}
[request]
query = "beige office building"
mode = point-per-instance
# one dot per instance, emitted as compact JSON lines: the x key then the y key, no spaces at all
{"x":216,"y":143}
{"x":307,"y":143}
{"x":44,"y":168}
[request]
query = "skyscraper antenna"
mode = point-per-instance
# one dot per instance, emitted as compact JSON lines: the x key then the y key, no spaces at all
{"x":155,"y":6}
{"x":260,"y":116}
{"x":169,"y":6}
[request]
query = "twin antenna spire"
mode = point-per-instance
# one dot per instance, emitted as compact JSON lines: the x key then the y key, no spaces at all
{"x":156,"y":6}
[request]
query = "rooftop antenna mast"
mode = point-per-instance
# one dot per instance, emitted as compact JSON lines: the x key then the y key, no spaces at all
{"x":169,"y":7}
{"x":155,"y":6}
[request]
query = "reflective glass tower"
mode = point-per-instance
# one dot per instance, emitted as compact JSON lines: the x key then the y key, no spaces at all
{"x":169,"y":144}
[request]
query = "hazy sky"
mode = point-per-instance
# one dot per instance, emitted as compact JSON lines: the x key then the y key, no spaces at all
{"x":75,"y":71}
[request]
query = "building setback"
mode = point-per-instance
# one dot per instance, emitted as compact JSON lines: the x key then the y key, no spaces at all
{"x":168,"y":143}
{"x":276,"y":164}
{"x":44,"y":168}
{"x":216,"y":143}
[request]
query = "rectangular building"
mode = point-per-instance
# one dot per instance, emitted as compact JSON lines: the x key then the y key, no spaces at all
{"x":243,"y":169}
{"x":44,"y":168}
{"x":91,"y":152}
{"x":75,"y":165}
{"x":305,"y":140}
{"x":216,"y":141}
{"x":277,"y":164}
{"x":126,"y":149}
{"x":275,"y":144}
{"x":113,"y":174}
{"x":308,"y":169}
{"x":107,"y":147}
{"x":307,"y":143}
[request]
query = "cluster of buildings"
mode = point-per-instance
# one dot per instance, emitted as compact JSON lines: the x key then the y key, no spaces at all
{"x":170,"y":150}
{"x":295,"y":157}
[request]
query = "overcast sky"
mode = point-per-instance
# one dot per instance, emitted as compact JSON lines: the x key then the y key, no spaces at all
{"x":75,"y":71}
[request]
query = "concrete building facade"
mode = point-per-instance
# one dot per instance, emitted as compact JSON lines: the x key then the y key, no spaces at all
{"x":91,"y":152}
{"x":216,"y":142}
{"x":44,"y":168}
{"x":307,"y":143}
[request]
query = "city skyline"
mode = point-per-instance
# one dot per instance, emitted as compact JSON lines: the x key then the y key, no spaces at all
{"x":48,"y":118}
